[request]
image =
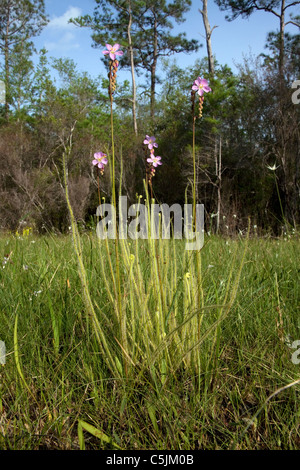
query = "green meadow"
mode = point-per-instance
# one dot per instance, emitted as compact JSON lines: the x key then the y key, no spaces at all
{"x":142,"y":344}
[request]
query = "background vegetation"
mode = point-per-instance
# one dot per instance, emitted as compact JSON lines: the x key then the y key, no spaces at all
{"x":249,"y":123}
{"x":142,"y":344}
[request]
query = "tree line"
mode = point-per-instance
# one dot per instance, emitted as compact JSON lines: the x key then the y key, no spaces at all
{"x":247,"y":142}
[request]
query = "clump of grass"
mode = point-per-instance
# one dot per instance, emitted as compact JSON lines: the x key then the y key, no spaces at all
{"x":224,"y":402}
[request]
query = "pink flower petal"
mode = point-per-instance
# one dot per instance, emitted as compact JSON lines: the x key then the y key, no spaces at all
{"x":203,"y":82}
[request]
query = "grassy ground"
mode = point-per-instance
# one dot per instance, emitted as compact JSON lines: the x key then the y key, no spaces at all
{"x":178,"y":352}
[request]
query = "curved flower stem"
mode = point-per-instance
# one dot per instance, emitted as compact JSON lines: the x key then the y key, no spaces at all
{"x":100,"y":336}
{"x":198,"y":255}
{"x":98,"y":181}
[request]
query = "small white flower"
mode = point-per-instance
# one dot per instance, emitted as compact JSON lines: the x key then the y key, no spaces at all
{"x":273,"y":168}
{"x":234,"y":215}
{"x":35,"y":293}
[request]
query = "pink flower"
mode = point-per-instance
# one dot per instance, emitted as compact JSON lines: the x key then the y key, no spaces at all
{"x":113,"y":51}
{"x":100,"y":160}
{"x":201,"y":85}
{"x":154,"y":160}
{"x":150,"y":141}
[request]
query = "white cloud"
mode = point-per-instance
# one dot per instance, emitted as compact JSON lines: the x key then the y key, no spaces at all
{"x":62,"y":22}
{"x":60,"y":33}
{"x":65,"y":43}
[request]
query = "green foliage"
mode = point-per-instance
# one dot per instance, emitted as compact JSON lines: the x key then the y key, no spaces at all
{"x":246,"y":7}
{"x":141,"y":344}
{"x":143,"y":26}
{"x":20,"y":20}
{"x":242,"y":365}
{"x":245,"y":119}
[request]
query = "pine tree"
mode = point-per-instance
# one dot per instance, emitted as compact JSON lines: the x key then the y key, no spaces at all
{"x":149,"y":24}
{"x":20,"y":20}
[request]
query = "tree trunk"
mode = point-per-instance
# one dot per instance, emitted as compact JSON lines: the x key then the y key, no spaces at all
{"x":211,"y":70}
{"x":281,"y":45}
{"x":6,"y":59}
{"x":132,"y":70}
{"x":208,"y":33}
{"x":153,"y":72}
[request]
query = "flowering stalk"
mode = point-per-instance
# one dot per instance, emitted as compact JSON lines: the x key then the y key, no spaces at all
{"x":100,"y":336}
{"x":194,"y":155}
{"x":99,"y":161}
{"x":151,"y":162}
{"x":200,"y":86}
{"x":114,"y":51}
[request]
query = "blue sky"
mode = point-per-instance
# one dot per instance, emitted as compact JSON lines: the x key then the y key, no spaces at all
{"x":230,"y":40}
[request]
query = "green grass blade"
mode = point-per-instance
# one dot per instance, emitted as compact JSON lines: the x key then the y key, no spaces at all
{"x":95,"y":432}
{"x":17,"y":358}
